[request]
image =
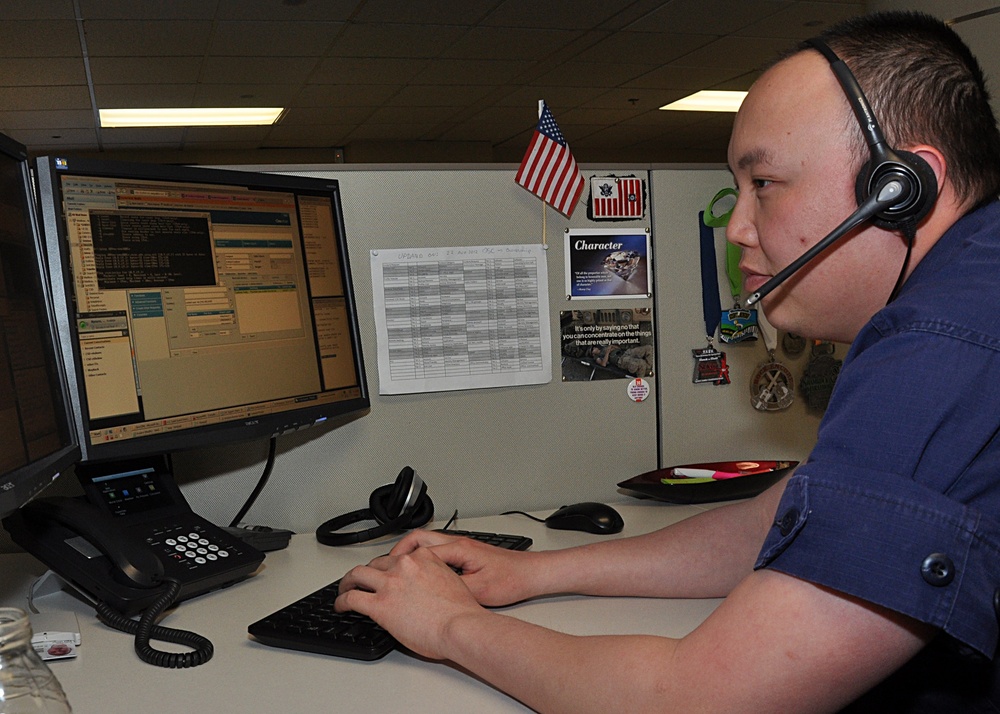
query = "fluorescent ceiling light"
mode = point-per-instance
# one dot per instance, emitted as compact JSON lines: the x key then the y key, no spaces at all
{"x":219,"y":116}
{"x":708,"y":100}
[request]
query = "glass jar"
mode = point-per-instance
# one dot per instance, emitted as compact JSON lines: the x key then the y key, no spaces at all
{"x":27,"y":685}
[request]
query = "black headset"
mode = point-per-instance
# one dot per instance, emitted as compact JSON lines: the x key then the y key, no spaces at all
{"x":886,"y":163}
{"x":894,"y":189}
{"x":394,"y":507}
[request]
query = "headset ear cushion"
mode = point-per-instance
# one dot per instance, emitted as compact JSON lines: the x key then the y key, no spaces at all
{"x":388,"y":503}
{"x":911,"y":168}
{"x":395,"y":496}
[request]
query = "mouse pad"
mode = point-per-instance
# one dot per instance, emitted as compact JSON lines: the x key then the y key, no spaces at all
{"x":710,"y":481}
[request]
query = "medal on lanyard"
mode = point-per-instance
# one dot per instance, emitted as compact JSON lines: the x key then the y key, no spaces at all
{"x":709,"y":363}
{"x":771,"y":387}
{"x":820,"y":375}
{"x":738,"y":324}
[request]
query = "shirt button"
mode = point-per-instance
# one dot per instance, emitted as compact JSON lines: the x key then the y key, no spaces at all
{"x":937,"y":569}
{"x":787,"y":521}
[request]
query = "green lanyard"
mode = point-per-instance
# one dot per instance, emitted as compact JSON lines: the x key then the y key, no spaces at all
{"x":732,"y":252}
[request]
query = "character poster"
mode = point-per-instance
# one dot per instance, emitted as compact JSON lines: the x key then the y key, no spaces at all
{"x":608,"y":263}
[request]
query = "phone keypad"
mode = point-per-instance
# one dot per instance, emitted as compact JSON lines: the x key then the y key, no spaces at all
{"x":188,"y":546}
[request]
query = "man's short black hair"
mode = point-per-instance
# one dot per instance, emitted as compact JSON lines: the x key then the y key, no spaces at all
{"x":925,"y":87}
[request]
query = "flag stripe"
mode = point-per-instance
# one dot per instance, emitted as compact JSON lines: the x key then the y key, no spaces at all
{"x":548,"y":168}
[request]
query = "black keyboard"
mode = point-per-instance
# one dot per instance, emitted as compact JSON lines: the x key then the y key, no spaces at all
{"x":311,"y":624}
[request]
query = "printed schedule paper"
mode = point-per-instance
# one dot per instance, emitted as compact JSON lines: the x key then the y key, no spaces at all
{"x":461,"y":318}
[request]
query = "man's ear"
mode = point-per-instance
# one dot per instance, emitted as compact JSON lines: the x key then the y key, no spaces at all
{"x":934,"y":158}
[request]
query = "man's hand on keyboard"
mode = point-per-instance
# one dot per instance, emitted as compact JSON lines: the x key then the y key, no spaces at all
{"x":414,"y":596}
{"x":495,"y":576}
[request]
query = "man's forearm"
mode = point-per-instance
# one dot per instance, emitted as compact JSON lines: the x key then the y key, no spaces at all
{"x":702,"y":556}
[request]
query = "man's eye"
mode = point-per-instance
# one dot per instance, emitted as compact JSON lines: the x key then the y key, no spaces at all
{"x":761,"y":183}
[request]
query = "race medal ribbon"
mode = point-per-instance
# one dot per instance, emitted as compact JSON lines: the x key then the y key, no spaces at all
{"x":738,"y":324}
{"x":709,"y":363}
{"x":771,"y":387}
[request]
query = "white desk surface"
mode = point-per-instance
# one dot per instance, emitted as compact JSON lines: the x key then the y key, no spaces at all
{"x":245,"y":676}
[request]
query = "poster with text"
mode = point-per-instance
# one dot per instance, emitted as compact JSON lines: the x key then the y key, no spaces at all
{"x":605,"y":264}
{"x":607,"y":344}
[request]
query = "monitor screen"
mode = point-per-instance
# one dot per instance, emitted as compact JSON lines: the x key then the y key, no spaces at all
{"x":37,"y":439}
{"x":201,"y":305}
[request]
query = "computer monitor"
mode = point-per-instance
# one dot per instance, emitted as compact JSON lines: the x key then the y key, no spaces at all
{"x":199,"y":306}
{"x":37,"y":438}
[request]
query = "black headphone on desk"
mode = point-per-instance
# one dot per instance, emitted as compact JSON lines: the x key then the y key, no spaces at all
{"x":895,"y":188}
{"x":397,"y":506}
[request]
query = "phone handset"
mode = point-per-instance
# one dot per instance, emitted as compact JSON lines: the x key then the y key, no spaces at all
{"x":134,"y":562}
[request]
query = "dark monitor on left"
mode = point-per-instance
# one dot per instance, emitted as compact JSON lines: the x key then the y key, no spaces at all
{"x":37,"y":437}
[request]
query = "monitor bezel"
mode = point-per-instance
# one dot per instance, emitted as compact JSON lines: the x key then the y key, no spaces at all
{"x":266,"y":426}
{"x":23,"y":483}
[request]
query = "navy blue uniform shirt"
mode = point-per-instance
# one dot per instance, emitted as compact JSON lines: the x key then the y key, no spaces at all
{"x":899,"y":501}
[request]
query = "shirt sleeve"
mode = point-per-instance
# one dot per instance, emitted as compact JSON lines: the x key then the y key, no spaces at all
{"x":897,"y":502}
{"x":909,"y":550}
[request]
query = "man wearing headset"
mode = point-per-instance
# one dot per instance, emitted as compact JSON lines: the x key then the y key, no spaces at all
{"x":870,"y":580}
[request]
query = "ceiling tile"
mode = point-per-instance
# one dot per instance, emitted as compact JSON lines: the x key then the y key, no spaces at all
{"x":420,"y":12}
{"x":259,"y":70}
{"x":36,"y":10}
{"x":708,"y":17}
{"x":485,"y":72}
{"x":69,"y":119}
{"x":127,"y":96}
{"x":321,"y":10}
{"x":366,"y":70}
{"x":433,"y":95}
{"x":140,"y":71}
{"x":394,"y":40}
{"x":307,"y":135}
{"x":40,"y":139}
{"x":579,"y":14}
{"x":41,"y":98}
{"x":594,"y":74}
{"x":39,"y":38}
{"x":148,"y":9}
{"x":518,"y":43}
{"x":252,"y":39}
{"x":643,"y":48}
{"x":315,"y":116}
{"x":41,"y":71}
{"x":345,"y":95}
{"x":244,"y":95}
{"x":802,"y":19}
{"x":146,"y":38}
{"x":157,"y":135}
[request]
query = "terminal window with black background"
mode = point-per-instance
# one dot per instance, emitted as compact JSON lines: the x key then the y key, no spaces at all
{"x":203,"y":303}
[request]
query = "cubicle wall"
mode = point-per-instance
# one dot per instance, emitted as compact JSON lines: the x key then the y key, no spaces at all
{"x":700,"y":422}
{"x":532,"y":447}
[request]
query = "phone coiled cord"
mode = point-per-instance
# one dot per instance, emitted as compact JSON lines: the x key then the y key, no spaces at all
{"x":145,"y":630}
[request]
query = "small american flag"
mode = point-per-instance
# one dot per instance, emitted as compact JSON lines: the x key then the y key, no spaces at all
{"x":616,"y":197}
{"x":548,"y":169}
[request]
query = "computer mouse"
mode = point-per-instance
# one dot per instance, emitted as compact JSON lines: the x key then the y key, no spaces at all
{"x":589,"y":517}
